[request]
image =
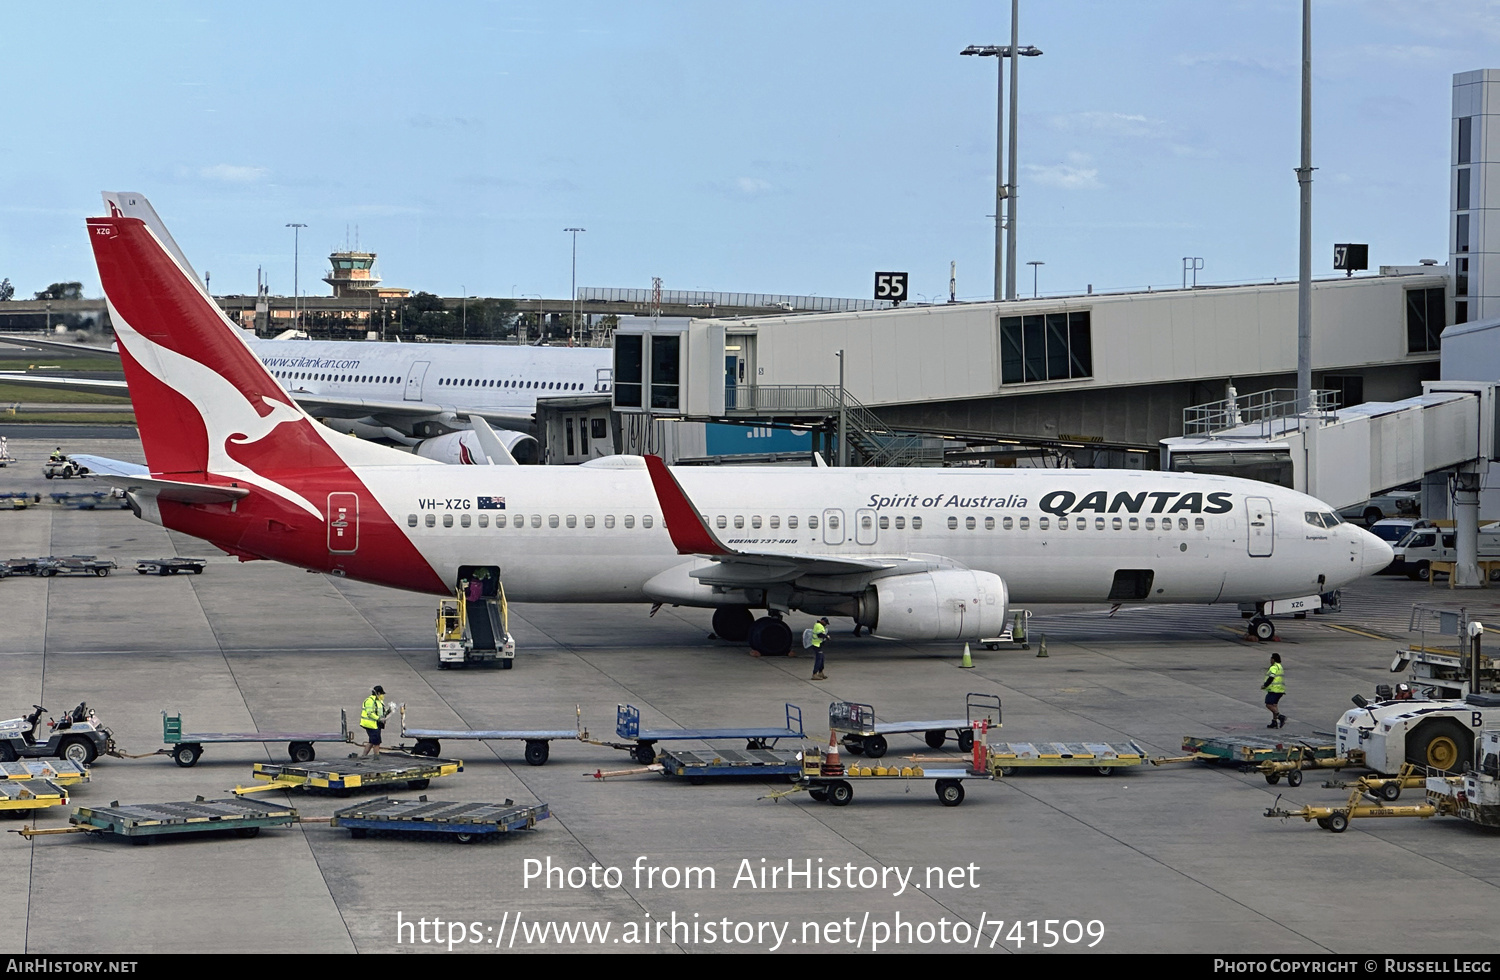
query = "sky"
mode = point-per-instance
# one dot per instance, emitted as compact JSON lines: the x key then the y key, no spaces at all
{"x":775,"y":147}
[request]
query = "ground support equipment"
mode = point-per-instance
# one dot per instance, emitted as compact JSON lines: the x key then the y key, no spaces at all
{"x":1102,"y":757}
{"x":464,"y":822}
{"x":19,"y":798}
{"x":83,"y":500}
{"x":862,"y":734}
{"x":73,"y":565}
{"x":171,"y":566}
{"x":699,"y":767}
{"x":834,"y":783}
{"x":1014,"y":633}
{"x":1336,"y":818}
{"x":18,"y":500}
{"x":1387,"y":788}
{"x":1251,"y":750}
{"x":63,"y":772}
{"x":142,"y":821}
{"x":341,"y":777}
{"x":430,"y":740}
{"x":186,"y":748}
{"x":642,"y":744}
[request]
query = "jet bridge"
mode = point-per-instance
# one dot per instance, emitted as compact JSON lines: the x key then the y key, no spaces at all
{"x":1345,"y":456}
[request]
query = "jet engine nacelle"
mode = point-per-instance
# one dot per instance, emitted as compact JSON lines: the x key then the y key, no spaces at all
{"x":463,"y":447}
{"x":947,"y":604}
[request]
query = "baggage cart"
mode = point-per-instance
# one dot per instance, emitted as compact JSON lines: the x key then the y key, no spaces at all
{"x":63,"y":772}
{"x":186,"y":748}
{"x":141,"y":822}
{"x":1102,"y":757}
{"x":429,"y":741}
{"x":20,"y":798}
{"x":342,"y":777}
{"x":628,"y":726}
{"x":171,"y":566}
{"x":463,"y":822}
{"x":864,"y":735}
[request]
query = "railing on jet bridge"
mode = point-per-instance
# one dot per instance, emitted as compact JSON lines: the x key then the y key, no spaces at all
{"x":1256,"y":408}
{"x":877,"y":442}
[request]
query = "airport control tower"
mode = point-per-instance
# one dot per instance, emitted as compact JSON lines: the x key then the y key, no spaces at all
{"x":353,"y":275}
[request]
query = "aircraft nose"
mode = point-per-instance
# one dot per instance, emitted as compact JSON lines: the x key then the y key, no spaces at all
{"x":1377,"y":554}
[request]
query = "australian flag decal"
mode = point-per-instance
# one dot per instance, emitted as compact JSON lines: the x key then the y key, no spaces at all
{"x":491,"y":503}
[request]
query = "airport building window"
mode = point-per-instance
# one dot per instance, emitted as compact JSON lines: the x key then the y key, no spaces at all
{"x":572,"y":520}
{"x":464,"y":520}
{"x":647,"y":520}
{"x":916,"y":523}
{"x":1045,"y":347}
{"x":552,"y":520}
{"x":432,"y":520}
{"x":666,"y":364}
{"x":1466,"y":140}
{"x":629,"y":520}
{"x":628,"y":370}
{"x":1461,"y":233}
{"x":1424,"y":318}
{"x":411,"y":520}
{"x":536,"y":520}
{"x":1462,"y":201}
{"x":447,"y":520}
{"x":609,"y":520}
{"x":885,"y":523}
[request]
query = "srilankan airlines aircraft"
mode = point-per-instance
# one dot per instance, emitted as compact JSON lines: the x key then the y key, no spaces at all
{"x":910,"y":554}
{"x":422,"y":396}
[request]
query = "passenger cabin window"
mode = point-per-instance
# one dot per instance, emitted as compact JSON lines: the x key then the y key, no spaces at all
{"x":1150,"y":523}
{"x":812,"y":523}
{"x":1098,"y":523}
{"x":1197,"y":523}
{"x":1007,"y":523}
{"x":552,"y":520}
{"x":1182,"y":523}
{"x":755,"y":522}
{"x":1025,"y":523}
{"x":833,"y":521}
{"x":647,"y":520}
{"x":447,"y":520}
{"x":969,"y":523}
{"x":1043,"y":522}
{"x":588,"y":520}
{"x":1135,"y":523}
{"x":916,"y":523}
{"x":463,"y":520}
{"x":536,"y":520}
{"x":572,"y":520}
{"x":1062,"y":523}
{"x":499,"y":520}
{"x":630,"y":520}
{"x":775,"y":521}
{"x":900,"y":523}
{"x":791,"y":523}
{"x":609,"y":521}
{"x":1116,"y":523}
{"x":866,"y":522}
{"x":484,"y":520}
{"x":952,"y":523}
{"x":721,"y":521}
{"x":739,"y":521}
{"x":885,"y":523}
{"x":989,"y":523}
{"x":411,"y":520}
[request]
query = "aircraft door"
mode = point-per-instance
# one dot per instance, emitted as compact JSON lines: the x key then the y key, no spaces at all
{"x":414,"y":380}
{"x":343,"y":523}
{"x":833,"y":526}
{"x":1262,"y":531}
{"x":865,"y":530}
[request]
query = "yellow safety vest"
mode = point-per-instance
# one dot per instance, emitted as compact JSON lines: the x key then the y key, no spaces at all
{"x":369,"y":715}
{"x":820,"y":632}
{"x":1278,"y":683}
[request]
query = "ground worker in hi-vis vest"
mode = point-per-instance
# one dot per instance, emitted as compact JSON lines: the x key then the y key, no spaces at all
{"x":819,"y":635}
{"x":372,"y":719}
{"x":1275,"y":687}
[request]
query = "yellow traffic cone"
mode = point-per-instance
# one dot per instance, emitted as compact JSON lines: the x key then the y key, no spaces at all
{"x":968,"y":661}
{"x":1041,"y":649}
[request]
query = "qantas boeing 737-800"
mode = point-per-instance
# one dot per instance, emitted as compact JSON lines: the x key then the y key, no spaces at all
{"x":909,"y":553}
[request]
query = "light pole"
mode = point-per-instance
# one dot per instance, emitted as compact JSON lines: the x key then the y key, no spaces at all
{"x":1005,"y":191}
{"x":464,"y":306}
{"x":843,"y":456}
{"x":1034,"y":265}
{"x":296,"y":227}
{"x":574,"y":301}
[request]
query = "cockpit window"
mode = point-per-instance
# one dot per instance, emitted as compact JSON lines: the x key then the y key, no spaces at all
{"x":1322,"y":518}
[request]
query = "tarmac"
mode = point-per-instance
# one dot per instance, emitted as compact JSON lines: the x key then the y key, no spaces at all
{"x":1171,"y":859}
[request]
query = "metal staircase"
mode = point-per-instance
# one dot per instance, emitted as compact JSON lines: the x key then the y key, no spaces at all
{"x":872,"y":442}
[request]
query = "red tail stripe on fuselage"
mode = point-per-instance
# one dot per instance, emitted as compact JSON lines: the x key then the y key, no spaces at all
{"x":154,"y":297}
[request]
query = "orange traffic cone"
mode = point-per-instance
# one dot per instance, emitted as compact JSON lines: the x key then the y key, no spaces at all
{"x":831,"y":764}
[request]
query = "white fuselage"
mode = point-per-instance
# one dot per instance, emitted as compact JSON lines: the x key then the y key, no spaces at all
{"x":595,"y":533}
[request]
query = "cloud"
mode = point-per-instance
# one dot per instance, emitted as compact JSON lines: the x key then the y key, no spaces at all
{"x":233,"y":174}
{"x":1075,"y":175}
{"x":1240,"y":62}
{"x":1108,"y":124}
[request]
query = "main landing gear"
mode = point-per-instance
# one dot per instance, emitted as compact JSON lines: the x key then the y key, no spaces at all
{"x":733,"y":623}
{"x":767,"y":635}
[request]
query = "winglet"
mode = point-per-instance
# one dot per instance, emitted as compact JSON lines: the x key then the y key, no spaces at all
{"x":689,"y":533}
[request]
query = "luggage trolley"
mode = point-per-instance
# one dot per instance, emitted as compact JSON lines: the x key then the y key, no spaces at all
{"x":141,"y":822}
{"x":430,"y":740}
{"x":863,"y":735}
{"x":186,"y":748}
{"x":341,"y":777}
{"x":463,"y":822}
{"x":628,"y":726}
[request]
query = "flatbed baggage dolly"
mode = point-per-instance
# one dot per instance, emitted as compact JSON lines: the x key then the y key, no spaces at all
{"x":63,"y":772}
{"x":863,"y":735}
{"x":18,"y":500}
{"x":628,"y":726}
{"x":73,"y":565}
{"x":1102,"y":757}
{"x":464,"y":822}
{"x":1251,"y":750}
{"x":19,"y":798}
{"x":699,"y":767}
{"x":341,"y":777}
{"x":142,"y":822}
{"x":430,"y":740}
{"x":171,"y":566}
{"x":186,"y":748}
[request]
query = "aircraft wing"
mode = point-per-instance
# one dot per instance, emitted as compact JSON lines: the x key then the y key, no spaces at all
{"x":62,"y":345}
{"x":333,"y":405}
{"x":101,"y":386}
{"x":736,"y":567}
